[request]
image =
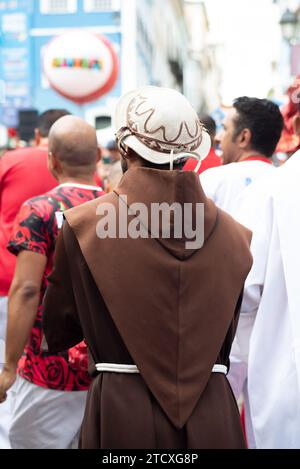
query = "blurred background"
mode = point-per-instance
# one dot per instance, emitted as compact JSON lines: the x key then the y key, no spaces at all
{"x":83,"y":54}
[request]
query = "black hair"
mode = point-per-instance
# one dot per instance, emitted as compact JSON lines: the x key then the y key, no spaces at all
{"x":178,"y":165}
{"x":263,"y":118}
{"x":48,"y":118}
{"x":209,"y":123}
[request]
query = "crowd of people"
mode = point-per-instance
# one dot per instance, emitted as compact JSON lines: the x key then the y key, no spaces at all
{"x":146,"y":342}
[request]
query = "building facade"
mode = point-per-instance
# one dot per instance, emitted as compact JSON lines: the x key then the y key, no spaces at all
{"x":149,"y":36}
{"x":288,"y":64}
{"x":203,"y":72}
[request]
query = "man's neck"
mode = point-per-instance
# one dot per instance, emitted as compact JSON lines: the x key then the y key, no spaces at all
{"x":250,"y":154}
{"x":43,"y":143}
{"x":84,"y":180}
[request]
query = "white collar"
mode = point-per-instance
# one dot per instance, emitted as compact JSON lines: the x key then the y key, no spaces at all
{"x":80,"y":186}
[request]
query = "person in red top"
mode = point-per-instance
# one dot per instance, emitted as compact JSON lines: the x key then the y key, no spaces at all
{"x":50,"y":391}
{"x":212,"y":160}
{"x":23,"y":174}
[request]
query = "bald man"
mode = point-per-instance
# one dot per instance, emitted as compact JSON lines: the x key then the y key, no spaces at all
{"x":50,"y":390}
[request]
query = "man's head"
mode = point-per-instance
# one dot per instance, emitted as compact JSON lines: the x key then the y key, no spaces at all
{"x":45,"y":122}
{"x":252,"y":127}
{"x":210,"y":125}
{"x":158,"y":128}
{"x":113,"y":151}
{"x":73,"y":148}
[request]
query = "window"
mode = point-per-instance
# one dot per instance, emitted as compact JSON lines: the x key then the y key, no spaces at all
{"x":97,"y":6}
{"x":103,"y":122}
{"x":54,"y":7}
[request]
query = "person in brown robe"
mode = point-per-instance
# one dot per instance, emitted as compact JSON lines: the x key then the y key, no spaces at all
{"x":158,"y":318}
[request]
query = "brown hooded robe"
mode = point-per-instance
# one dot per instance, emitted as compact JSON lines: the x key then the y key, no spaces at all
{"x":170,"y":311}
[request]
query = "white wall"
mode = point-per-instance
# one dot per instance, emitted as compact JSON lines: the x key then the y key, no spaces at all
{"x":249,"y":32}
{"x":202,"y":78}
{"x":129,"y":55}
{"x":154,"y":31}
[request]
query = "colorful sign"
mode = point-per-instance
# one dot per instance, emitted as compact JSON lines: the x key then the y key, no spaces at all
{"x":81,"y":66}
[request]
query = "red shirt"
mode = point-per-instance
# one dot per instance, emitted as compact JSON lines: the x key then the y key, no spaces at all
{"x":211,"y":161}
{"x":36,"y":229}
{"x":23,"y":174}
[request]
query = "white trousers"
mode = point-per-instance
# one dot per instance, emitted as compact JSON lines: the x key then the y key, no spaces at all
{"x":3,"y":321}
{"x":44,"y":418}
{"x":5,"y":408}
{"x":238,"y":380}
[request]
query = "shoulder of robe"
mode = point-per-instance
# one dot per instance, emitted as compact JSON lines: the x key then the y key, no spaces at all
{"x":83,"y":216}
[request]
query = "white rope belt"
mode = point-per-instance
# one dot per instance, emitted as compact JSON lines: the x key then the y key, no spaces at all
{"x":113,"y":368}
{"x":132,"y":369}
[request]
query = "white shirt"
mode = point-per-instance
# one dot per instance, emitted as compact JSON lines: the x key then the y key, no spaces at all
{"x":272,"y":304}
{"x":226,"y":185}
{"x":230,"y":187}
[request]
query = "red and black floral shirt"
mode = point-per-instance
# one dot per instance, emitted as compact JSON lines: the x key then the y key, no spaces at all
{"x":36,"y":229}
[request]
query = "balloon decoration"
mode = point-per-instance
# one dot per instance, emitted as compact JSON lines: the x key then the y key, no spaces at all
{"x":81,"y":66}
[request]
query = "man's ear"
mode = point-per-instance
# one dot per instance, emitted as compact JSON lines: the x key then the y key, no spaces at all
{"x":296,"y":124}
{"x":51,"y":164}
{"x":99,"y":154}
{"x":244,"y":139}
{"x":37,"y":137}
{"x":54,"y":164}
{"x":131,"y":154}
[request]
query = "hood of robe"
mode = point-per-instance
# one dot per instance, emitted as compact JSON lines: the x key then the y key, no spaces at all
{"x":171,"y":305}
{"x":150,"y":187}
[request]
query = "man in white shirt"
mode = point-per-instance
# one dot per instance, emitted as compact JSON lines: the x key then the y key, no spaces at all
{"x":251,"y":131}
{"x":270,"y":320}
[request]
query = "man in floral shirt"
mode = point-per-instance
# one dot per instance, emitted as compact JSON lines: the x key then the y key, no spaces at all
{"x":50,"y":390}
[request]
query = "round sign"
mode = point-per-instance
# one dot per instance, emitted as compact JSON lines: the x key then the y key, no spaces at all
{"x":81,"y":66}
